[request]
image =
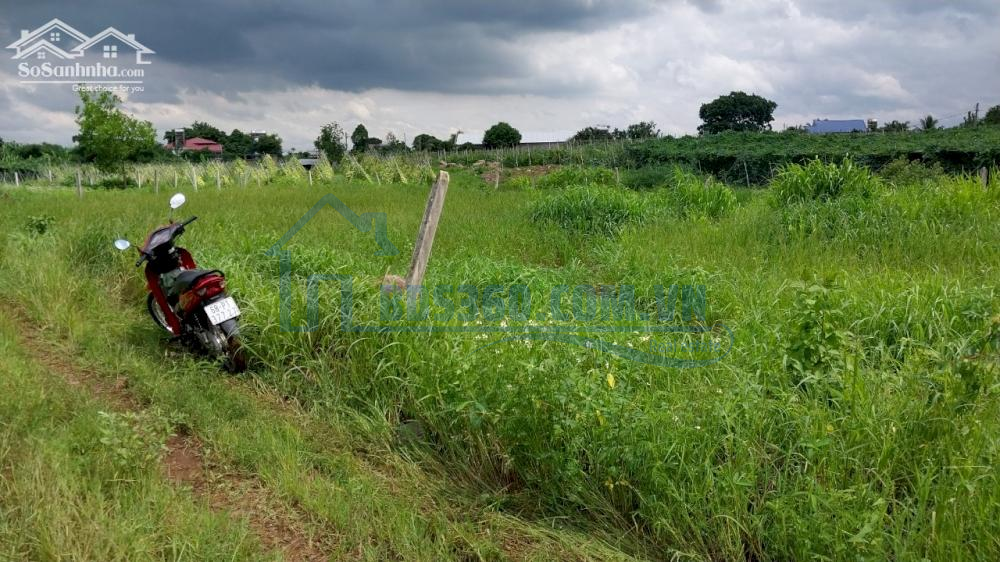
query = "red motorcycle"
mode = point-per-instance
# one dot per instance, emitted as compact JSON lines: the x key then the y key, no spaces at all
{"x":189,"y":303}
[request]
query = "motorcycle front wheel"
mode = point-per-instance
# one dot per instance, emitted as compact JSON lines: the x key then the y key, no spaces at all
{"x":157,"y":313}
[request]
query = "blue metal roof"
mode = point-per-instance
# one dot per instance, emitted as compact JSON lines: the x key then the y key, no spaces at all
{"x":838,"y":126}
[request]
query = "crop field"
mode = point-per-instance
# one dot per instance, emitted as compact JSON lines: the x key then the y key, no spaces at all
{"x":855,"y":412}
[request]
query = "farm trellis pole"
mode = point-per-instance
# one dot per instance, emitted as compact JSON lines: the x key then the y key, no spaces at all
{"x":428,"y":227}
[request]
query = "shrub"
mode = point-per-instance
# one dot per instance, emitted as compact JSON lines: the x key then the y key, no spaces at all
{"x":649,"y":177}
{"x":39,"y":224}
{"x":818,"y":181}
{"x":815,"y":343}
{"x":576,"y":176}
{"x":591,"y":209}
{"x":911,"y":172}
{"x":691,"y":196}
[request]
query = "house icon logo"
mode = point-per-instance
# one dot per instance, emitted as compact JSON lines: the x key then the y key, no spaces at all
{"x":58,"y":53}
{"x":59,"y":40}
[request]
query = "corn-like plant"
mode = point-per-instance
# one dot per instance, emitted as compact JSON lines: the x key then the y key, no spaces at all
{"x":817,"y":180}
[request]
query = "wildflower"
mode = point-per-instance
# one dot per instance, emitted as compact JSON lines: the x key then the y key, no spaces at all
{"x":611,"y":380}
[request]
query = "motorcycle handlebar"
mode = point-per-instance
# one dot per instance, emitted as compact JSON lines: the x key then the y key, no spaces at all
{"x":180,"y":230}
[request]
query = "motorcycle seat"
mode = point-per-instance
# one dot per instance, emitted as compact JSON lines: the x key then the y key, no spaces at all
{"x":189,"y":277}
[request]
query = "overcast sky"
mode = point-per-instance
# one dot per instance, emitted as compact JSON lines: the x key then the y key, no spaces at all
{"x":547,"y":67}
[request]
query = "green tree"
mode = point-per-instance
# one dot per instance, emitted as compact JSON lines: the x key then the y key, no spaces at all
{"x":737,"y":111}
{"x":237,"y":144}
{"x":928,"y":123}
{"x":591,"y":134}
{"x":199,"y":129}
{"x":268,"y":144}
{"x":109,"y":138}
{"x":895,"y":126}
{"x":331,"y":142}
{"x":642,"y":130}
{"x":501,"y":135}
{"x":360,"y":138}
{"x":393,"y":144}
{"x":992,"y":116}
{"x":427,"y":143}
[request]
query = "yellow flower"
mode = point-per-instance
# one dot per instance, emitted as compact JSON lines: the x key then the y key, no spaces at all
{"x":611,"y":380}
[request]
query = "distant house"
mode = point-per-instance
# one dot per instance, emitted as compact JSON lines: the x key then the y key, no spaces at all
{"x":823,"y":126}
{"x":198,"y":144}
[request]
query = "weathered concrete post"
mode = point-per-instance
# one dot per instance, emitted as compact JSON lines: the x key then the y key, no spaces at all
{"x":984,"y":176}
{"x":79,"y":185}
{"x":156,"y":181}
{"x":194,"y":179}
{"x":428,"y":227}
{"x":17,"y":180}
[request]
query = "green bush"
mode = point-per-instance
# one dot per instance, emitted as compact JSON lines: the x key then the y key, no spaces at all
{"x":816,"y":180}
{"x":591,"y":209}
{"x":39,"y":224}
{"x":569,"y":176}
{"x":911,"y":172}
{"x":688,"y":195}
{"x":649,"y":177}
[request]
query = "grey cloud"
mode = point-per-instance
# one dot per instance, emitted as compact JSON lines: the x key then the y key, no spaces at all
{"x":439,"y":45}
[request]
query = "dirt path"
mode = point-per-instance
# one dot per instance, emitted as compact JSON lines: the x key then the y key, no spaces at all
{"x":276,"y":525}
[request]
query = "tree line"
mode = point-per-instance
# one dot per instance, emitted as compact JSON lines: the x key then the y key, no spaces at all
{"x":110,"y":139}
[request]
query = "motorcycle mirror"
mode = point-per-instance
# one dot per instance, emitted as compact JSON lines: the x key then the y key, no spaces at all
{"x":177,"y":200}
{"x":122,"y":244}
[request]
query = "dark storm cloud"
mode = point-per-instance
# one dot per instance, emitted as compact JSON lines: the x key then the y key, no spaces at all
{"x":439,"y":45}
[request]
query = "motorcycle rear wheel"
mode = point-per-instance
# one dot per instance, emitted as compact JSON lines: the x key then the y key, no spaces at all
{"x":236,"y":356}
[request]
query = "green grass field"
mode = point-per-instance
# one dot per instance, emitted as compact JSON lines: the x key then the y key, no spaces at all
{"x":854,"y":418}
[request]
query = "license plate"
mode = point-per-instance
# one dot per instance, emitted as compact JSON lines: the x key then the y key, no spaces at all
{"x":220,"y":311}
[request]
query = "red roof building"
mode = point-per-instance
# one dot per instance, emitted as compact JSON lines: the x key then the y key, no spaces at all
{"x":198,"y":144}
